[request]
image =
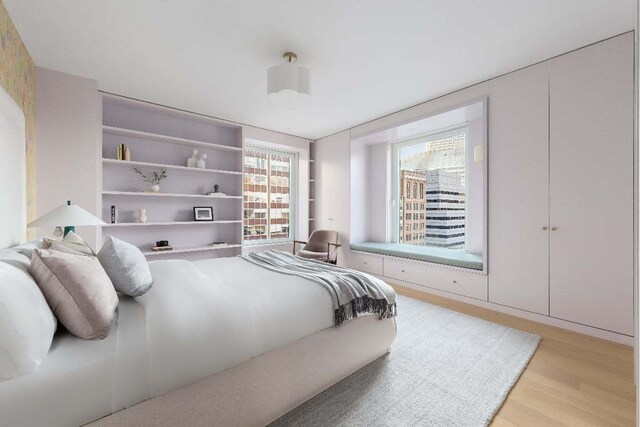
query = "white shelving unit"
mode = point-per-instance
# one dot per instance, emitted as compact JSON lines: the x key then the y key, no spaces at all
{"x":152,"y":194}
{"x":312,"y":187}
{"x":129,"y":163}
{"x":164,"y":138}
{"x":191,"y":250}
{"x":157,"y":224}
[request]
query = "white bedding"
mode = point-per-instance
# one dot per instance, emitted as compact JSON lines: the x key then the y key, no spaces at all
{"x":198,"y":319}
{"x":205,"y":316}
{"x":81,"y":380}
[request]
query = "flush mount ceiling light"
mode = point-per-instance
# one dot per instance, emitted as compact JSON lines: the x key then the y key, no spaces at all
{"x":288,"y":84}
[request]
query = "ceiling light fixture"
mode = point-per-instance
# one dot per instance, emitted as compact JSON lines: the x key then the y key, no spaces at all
{"x":288,"y":84}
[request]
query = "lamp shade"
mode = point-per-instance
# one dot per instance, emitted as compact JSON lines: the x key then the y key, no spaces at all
{"x":288,"y":84}
{"x":66,"y":215}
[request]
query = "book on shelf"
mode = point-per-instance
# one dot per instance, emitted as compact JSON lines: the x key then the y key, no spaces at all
{"x":214,"y":244}
{"x":161,"y":248}
{"x":123,"y":152}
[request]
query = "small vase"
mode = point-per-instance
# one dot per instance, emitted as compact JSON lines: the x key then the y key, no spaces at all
{"x":155,"y":188}
{"x":191,"y":161}
{"x":142,"y":216}
{"x":200,"y":163}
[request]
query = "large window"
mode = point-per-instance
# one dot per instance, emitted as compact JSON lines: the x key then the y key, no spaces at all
{"x":430,"y":171}
{"x":268,"y":204}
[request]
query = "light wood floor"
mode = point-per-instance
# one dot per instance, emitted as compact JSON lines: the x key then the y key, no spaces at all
{"x":572,"y":379}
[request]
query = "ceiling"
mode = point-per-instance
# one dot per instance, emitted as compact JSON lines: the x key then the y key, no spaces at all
{"x":367,"y":58}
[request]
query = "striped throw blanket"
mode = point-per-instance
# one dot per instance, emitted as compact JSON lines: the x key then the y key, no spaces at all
{"x":352,"y":293}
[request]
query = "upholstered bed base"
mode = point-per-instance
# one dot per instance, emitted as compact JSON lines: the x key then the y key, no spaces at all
{"x":262,"y":389}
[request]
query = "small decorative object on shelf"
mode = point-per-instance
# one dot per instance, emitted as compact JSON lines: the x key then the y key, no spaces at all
{"x":200,"y":163}
{"x":114,"y":215}
{"x":216,"y":191}
{"x":193,"y":160}
{"x":214,"y":244}
{"x":162,"y":243}
{"x":142,"y":216}
{"x":161,"y":248}
{"x":124,"y":152}
{"x":154,"y":180}
{"x":203,"y":213}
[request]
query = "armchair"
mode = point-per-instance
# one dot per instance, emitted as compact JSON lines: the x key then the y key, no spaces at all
{"x":322,"y":245}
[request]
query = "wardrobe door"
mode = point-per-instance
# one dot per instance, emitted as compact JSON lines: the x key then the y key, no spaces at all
{"x":519,"y":189}
{"x":591,"y":134}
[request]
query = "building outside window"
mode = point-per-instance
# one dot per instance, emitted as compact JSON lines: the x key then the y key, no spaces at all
{"x":268,"y":195}
{"x":432,"y":188}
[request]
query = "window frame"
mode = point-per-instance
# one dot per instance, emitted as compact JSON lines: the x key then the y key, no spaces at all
{"x":293,"y":194}
{"x":395,"y":148}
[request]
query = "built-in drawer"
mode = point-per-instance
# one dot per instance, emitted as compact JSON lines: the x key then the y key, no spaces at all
{"x":405,"y":270}
{"x":470,"y":284}
{"x":364,"y":262}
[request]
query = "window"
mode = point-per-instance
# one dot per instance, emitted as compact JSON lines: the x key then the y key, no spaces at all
{"x":268,"y":196}
{"x":431,"y":175}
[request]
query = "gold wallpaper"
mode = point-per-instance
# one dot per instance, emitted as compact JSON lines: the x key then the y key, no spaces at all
{"x":18,"y":77}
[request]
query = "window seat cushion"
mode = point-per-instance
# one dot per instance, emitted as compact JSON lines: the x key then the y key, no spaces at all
{"x":452,"y":257}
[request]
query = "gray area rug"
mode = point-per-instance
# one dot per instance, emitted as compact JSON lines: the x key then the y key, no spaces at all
{"x":444,"y":369}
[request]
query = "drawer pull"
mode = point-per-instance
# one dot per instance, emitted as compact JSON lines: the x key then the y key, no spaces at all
{"x":403,"y":270}
{"x":365,"y":263}
{"x":455,"y":281}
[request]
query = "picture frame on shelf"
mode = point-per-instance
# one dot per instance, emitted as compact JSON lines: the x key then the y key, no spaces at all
{"x":203,"y":213}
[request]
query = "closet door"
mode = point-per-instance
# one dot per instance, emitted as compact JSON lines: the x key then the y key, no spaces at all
{"x":332,"y":169}
{"x":591,"y":130}
{"x":519,"y":189}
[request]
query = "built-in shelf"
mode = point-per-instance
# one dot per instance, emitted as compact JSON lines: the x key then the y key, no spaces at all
{"x":312,"y":219}
{"x":312,"y":180}
{"x":187,"y":250}
{"x":150,"y":194}
{"x":164,"y":109}
{"x":161,"y":137}
{"x":163,"y":166}
{"x":164,"y":138}
{"x":312,"y":161}
{"x":156,"y":224}
{"x":312,"y":200}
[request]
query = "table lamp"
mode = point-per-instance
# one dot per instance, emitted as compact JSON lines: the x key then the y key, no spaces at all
{"x":68,"y":216}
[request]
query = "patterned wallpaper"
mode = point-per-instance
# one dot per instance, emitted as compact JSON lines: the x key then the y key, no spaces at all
{"x":18,"y":77}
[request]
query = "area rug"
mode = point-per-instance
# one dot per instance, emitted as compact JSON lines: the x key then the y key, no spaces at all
{"x":444,"y":369}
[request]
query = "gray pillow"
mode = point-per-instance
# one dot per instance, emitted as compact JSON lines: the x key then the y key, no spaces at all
{"x":78,"y":291}
{"x":126,"y":266}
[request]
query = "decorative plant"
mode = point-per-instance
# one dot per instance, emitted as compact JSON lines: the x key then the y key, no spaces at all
{"x":155,"y":179}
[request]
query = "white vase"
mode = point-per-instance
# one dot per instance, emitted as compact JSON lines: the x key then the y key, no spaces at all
{"x":200,"y":163}
{"x":142,"y":216}
{"x":191,"y":161}
{"x":155,"y":188}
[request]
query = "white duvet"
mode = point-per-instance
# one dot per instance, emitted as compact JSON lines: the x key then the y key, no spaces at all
{"x":198,"y":319}
{"x":205,"y":316}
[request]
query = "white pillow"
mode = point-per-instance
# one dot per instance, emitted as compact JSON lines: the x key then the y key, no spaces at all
{"x":72,"y":244}
{"x":27,"y":249}
{"x":27,"y":324}
{"x":126,"y":266}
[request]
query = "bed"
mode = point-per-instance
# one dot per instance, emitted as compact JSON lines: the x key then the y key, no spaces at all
{"x":214,"y":342}
{"x":227,"y":341}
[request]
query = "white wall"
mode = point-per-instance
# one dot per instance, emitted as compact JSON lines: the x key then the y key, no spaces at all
{"x":13,"y":197}
{"x":474,"y":203}
{"x":69,"y":118}
{"x":378,"y":190}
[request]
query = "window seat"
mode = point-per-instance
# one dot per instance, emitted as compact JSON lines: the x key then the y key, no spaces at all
{"x":452,"y":257}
